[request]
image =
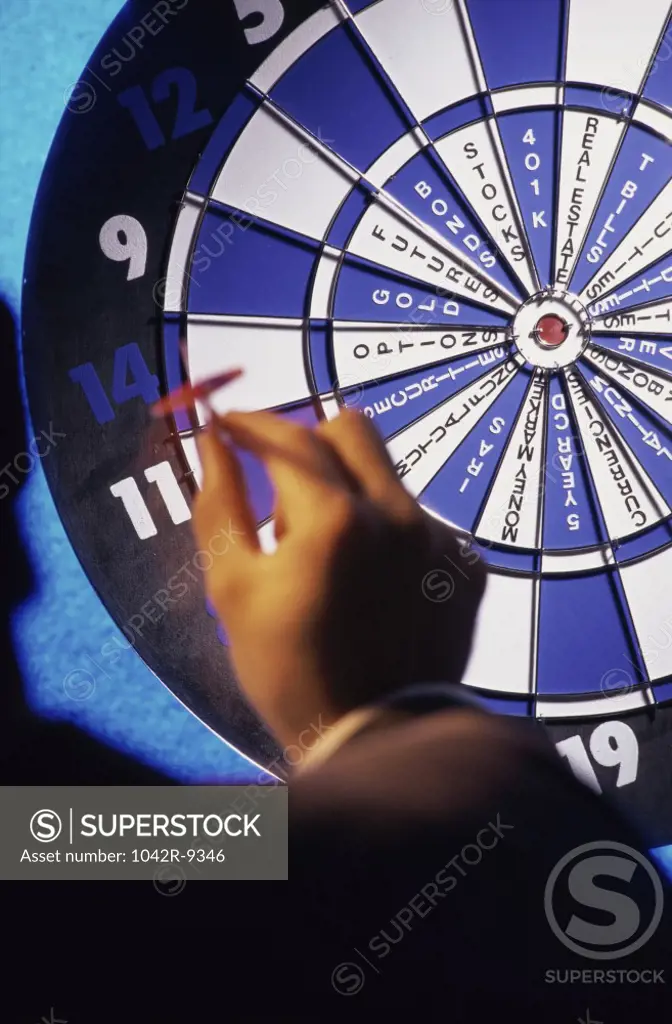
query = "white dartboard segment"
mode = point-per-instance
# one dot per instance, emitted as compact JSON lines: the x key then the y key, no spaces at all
{"x":653,"y":117}
{"x":648,"y":241}
{"x":589,"y":145}
{"x":647,"y":587}
{"x":269,"y":352}
{"x":267,"y":539}
{"x":422,"y":449}
{"x":652,"y":389}
{"x":474,"y":157}
{"x":277,"y":173}
{"x":596,"y":707}
{"x":629,"y":499}
{"x":655,"y":318}
{"x":437,"y":70}
{"x":371,"y":352}
{"x":561,"y":562}
{"x":324,"y":282}
{"x":385,"y":238}
{"x":501,"y":652}
{"x":512,"y":514}
{"x":177,"y":279}
{"x":527,"y":96}
{"x":612,"y":45}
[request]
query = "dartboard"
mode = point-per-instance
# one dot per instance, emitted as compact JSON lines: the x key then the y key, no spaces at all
{"x":455,"y":215}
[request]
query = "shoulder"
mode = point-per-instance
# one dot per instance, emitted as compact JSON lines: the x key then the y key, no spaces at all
{"x":441,"y":778}
{"x":429,"y":844}
{"x":455,"y":756}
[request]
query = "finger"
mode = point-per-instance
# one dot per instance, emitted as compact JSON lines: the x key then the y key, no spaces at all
{"x":222,"y":504}
{"x":361,"y":449}
{"x":303,"y":469}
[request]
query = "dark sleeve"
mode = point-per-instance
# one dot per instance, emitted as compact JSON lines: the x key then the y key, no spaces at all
{"x":421,"y":855}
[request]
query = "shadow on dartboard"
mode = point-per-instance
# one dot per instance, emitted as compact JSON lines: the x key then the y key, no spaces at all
{"x":34,"y":751}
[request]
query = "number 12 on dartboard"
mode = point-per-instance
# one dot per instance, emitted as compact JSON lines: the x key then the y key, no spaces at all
{"x":189,"y":117}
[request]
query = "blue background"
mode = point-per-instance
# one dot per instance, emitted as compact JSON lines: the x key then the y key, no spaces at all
{"x":43,"y":48}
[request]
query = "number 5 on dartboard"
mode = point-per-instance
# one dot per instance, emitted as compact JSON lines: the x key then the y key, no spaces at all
{"x":272,"y":16}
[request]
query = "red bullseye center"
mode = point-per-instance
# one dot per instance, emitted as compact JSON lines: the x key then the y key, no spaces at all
{"x":551,"y":330}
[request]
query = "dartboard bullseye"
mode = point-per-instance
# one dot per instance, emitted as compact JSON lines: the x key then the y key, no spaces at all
{"x":551,"y":330}
{"x":366,"y":204}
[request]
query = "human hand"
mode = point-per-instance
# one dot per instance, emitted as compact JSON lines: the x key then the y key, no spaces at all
{"x":336,"y":617}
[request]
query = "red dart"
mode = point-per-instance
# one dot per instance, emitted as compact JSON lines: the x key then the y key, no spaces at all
{"x":185,"y":396}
